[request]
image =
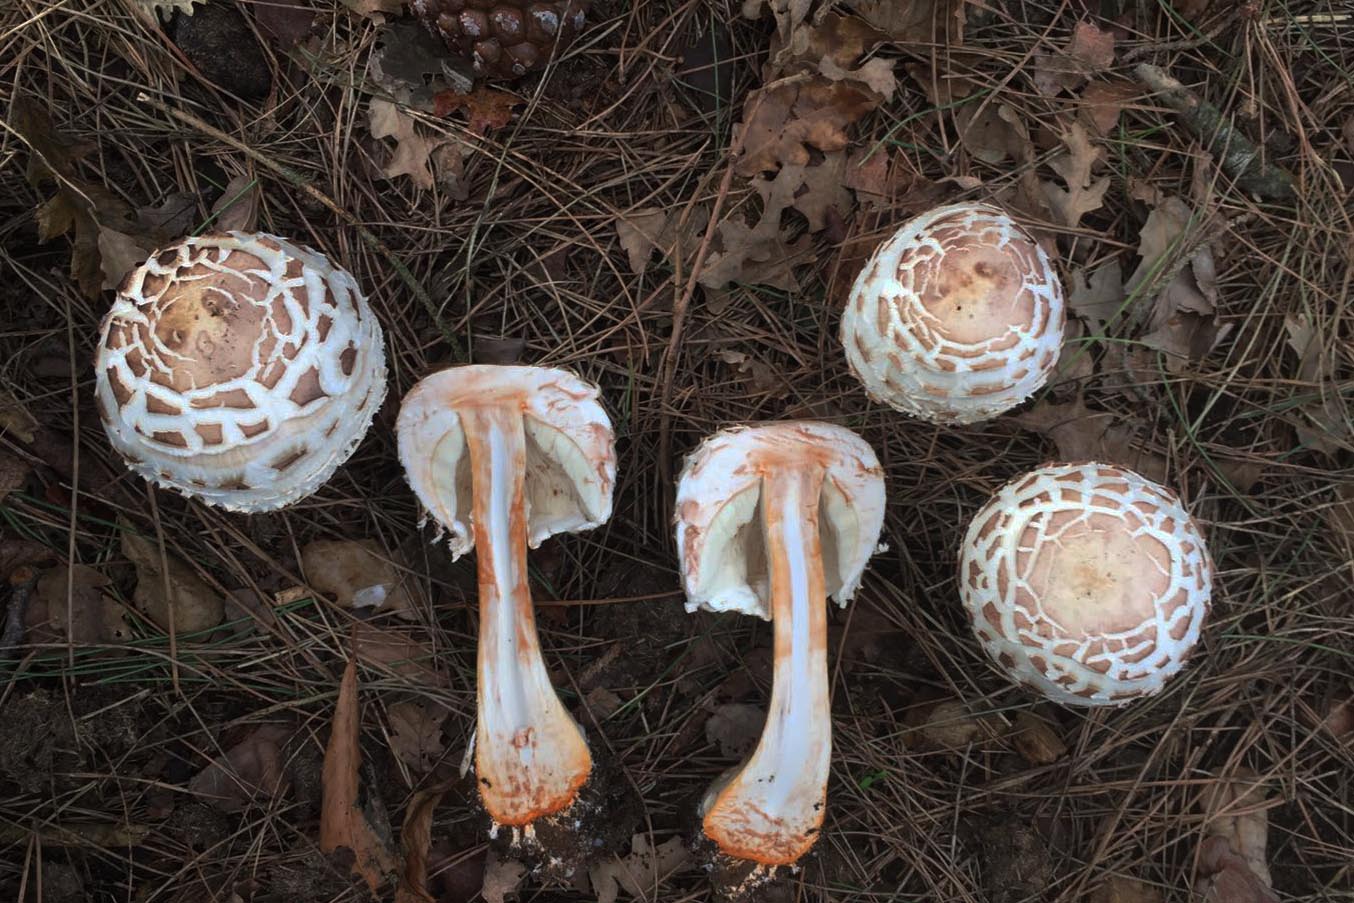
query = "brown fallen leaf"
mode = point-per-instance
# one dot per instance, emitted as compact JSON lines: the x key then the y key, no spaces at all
{"x":403,"y":653}
{"x":1036,"y":740}
{"x":831,"y":45}
{"x":867,"y":174}
{"x":916,"y":22}
{"x":120,"y":253}
{"x":763,"y":255}
{"x":360,"y":575}
{"x":415,"y":840}
{"x":412,"y":148}
{"x":993,"y":132}
{"x":15,"y":419}
{"x":14,"y":473}
{"x":735,"y":728}
{"x":286,"y":22}
{"x":237,"y":209}
{"x":1083,"y":194}
{"x":1235,"y":814}
{"x":944,"y":725}
{"x":196,"y":606}
{"x":1089,"y":51}
{"x":374,"y":9}
{"x":1224,"y":876}
{"x":639,"y":231}
{"x":1083,"y":434}
{"x":786,"y":120}
{"x":645,"y":868}
{"x":416,"y":733}
{"x":70,"y":604}
{"x":1098,"y":298}
{"x":1118,"y":889}
{"x":502,"y":877}
{"x":487,"y":108}
{"x":254,"y":770}
{"x":343,"y":822}
{"x":1103,"y":102}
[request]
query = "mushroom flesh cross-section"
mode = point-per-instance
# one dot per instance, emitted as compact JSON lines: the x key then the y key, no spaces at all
{"x":956,"y":318}
{"x":239,"y":368}
{"x":1087,"y":582}
{"x":502,"y":458}
{"x":771,"y":520}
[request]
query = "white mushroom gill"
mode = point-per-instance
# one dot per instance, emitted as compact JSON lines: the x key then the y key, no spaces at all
{"x":507,"y":437}
{"x":792,"y":480}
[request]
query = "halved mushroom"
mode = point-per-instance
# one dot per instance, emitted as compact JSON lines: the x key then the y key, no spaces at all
{"x":771,"y":520}
{"x":502,"y":458}
{"x":1086,"y":582}
{"x":239,"y":368}
{"x":956,"y":318}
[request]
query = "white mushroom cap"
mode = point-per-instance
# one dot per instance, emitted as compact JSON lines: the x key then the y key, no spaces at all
{"x":719,"y":534}
{"x":1086,"y":582}
{"x":571,"y":458}
{"x":956,"y":318}
{"x":240,"y":369}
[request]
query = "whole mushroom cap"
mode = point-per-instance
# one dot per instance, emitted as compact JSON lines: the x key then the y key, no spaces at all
{"x":956,"y":318}
{"x":241,"y":369}
{"x":1087,"y":582}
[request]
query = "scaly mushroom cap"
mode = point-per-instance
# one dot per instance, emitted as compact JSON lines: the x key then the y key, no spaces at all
{"x":1086,"y":582}
{"x":956,"y":318}
{"x":719,"y":537}
{"x":239,"y":368}
{"x":571,"y":458}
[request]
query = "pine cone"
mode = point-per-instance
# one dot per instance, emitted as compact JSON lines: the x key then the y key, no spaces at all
{"x":503,"y":38}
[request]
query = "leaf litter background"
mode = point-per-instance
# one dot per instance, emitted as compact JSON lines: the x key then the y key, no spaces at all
{"x":677,"y":210}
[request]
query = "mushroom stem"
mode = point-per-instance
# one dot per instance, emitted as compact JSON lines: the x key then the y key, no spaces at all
{"x":530,"y":757}
{"x":771,"y":811}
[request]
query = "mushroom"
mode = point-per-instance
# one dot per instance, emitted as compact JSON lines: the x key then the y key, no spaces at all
{"x":956,"y":318}
{"x":502,"y":458}
{"x":771,"y":520}
{"x":241,"y":369}
{"x":1087,"y":582}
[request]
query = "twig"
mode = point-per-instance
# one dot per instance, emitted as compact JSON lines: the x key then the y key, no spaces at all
{"x":1238,"y":155}
{"x":301,"y":183}
{"x":21,"y":584}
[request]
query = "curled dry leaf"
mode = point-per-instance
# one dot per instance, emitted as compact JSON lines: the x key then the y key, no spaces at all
{"x":916,"y":22}
{"x":415,"y":841}
{"x":402,"y":652}
{"x":1225,"y":877}
{"x":944,"y":725}
{"x":649,"y":229}
{"x":343,"y":819}
{"x":237,"y":209}
{"x":254,"y":770}
{"x":640,"y":872}
{"x":359,"y":574}
{"x":69,"y":603}
{"x":165,"y":583}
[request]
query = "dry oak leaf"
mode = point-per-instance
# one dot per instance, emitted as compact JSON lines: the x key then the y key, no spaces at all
{"x":834,"y":45}
{"x":487,"y":108}
{"x":343,"y":821}
{"x":645,"y":868}
{"x":416,"y":733}
{"x":237,"y":209}
{"x":254,"y":769}
{"x":649,"y":229}
{"x":165,"y":584}
{"x":993,"y":132}
{"x":412,"y":149}
{"x":399,"y":651}
{"x":1098,"y":298}
{"x":759,"y":256}
{"x":785,"y":119}
{"x":1103,"y":102}
{"x":1090,"y":50}
{"x":1082,"y":434}
{"x":359,"y":574}
{"x":415,"y":841}
{"x":1083,"y":194}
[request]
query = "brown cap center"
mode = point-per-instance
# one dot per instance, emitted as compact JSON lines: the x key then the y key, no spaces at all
{"x":975,"y":291}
